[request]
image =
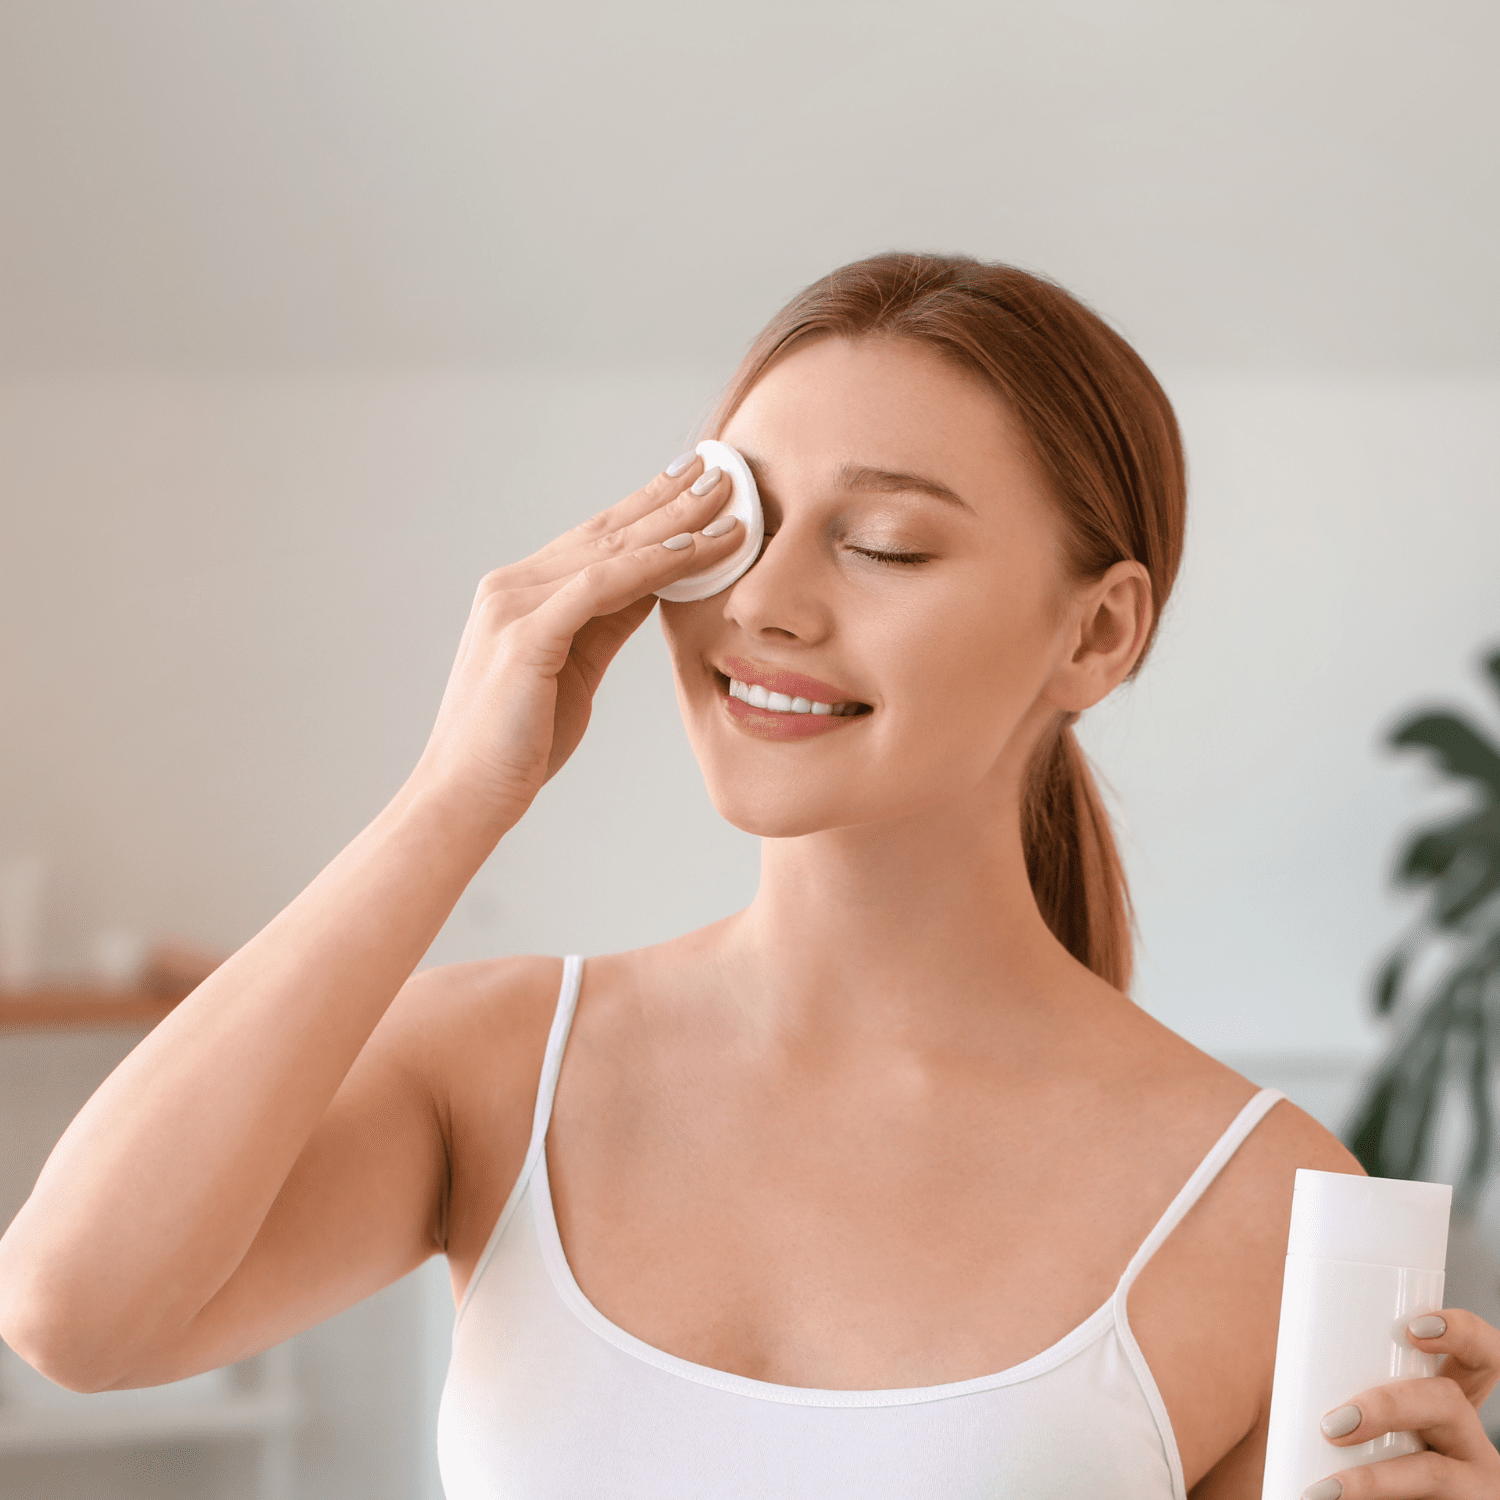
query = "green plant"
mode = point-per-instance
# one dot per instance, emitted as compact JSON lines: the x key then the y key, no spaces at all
{"x":1448,"y":1043}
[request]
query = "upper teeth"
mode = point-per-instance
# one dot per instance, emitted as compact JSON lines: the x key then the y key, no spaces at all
{"x":757,"y":697}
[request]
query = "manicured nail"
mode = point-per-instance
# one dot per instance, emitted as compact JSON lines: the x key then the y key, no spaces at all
{"x":705,"y":482}
{"x":679,"y":463}
{"x":678,"y":542}
{"x":1341,"y":1423}
{"x":1428,"y":1327}
{"x":1324,"y":1489}
{"x":722,"y":527}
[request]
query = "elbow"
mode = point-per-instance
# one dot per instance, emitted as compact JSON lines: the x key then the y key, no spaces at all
{"x":61,"y":1371}
{"x":64,"y":1360}
{"x":54,"y":1340}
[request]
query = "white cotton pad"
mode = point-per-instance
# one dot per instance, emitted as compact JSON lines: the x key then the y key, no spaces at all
{"x":744,"y":504}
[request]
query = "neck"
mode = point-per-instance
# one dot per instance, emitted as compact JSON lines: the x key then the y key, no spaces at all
{"x":902,"y":929}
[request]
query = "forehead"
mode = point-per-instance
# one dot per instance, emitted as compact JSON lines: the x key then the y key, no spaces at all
{"x":887,"y":403}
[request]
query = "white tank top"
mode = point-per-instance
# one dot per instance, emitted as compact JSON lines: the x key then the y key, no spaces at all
{"x":546,"y":1399}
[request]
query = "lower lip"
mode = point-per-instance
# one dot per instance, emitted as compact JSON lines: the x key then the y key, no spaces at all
{"x":767,"y":724}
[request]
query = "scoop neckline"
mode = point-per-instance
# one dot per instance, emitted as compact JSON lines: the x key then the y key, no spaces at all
{"x":556,"y":1260}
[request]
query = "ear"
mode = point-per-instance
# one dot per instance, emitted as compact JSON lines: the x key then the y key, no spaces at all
{"x":1109,"y":623}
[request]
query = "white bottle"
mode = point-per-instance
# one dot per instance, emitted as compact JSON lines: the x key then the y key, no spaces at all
{"x":1365,"y":1256}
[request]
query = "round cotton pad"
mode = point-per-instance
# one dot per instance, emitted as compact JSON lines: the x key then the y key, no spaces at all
{"x":744,"y":504}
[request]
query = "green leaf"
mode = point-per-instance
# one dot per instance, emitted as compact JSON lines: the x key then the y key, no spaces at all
{"x":1451,"y":1043}
{"x":1404,"y":1092}
{"x":1492,"y":666}
{"x":1462,"y":858}
{"x":1366,"y":1131}
{"x":1461,"y":749}
{"x":1481,"y":1120}
{"x":1428,"y":1086}
{"x":1388,"y":982}
{"x":1465,"y":887}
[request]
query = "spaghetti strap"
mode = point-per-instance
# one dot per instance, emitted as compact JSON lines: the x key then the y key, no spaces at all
{"x":546,"y":1089}
{"x":1192,"y":1190}
{"x":546,"y":1395}
{"x":1196,"y":1185}
{"x":557,"y":1041}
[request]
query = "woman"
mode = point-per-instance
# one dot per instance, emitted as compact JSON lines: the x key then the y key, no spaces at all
{"x":813,"y":1174}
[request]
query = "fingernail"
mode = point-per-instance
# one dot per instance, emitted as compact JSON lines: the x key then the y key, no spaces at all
{"x":679,"y":463}
{"x":720,"y":527}
{"x":1428,"y":1327}
{"x":705,"y":482}
{"x":1341,"y":1423}
{"x":1324,"y":1489}
{"x":678,"y":542}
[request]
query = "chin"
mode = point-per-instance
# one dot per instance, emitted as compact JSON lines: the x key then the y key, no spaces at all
{"x":778,"y":818}
{"x":799,"y":805}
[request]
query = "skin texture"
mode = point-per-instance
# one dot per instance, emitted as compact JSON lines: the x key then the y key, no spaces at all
{"x":877,"y":1130}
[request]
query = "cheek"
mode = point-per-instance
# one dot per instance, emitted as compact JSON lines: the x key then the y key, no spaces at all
{"x":685,"y":627}
{"x":989,"y":637}
{"x":967,"y":675}
{"x":691,"y":631}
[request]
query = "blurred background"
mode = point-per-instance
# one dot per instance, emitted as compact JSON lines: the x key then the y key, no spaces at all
{"x":311,"y":313}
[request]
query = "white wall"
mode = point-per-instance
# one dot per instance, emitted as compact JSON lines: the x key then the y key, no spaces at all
{"x":232,"y":604}
{"x":1340,"y":571}
{"x":310,"y":312}
{"x":1284,"y":184}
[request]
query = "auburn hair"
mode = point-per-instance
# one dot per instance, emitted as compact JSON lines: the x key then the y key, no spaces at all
{"x":1106,"y":439}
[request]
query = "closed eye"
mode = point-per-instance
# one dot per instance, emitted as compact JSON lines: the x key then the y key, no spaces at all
{"x":893,"y":557}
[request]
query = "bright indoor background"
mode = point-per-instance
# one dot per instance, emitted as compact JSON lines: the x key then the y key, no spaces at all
{"x":312,"y":312}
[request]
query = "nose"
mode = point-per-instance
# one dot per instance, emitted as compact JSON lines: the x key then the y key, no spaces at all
{"x":787,"y":595}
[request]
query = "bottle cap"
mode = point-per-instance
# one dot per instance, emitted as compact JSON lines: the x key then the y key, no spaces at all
{"x":744,"y":502}
{"x":1380,"y":1221}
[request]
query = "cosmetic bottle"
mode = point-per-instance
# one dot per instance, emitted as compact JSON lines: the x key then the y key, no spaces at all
{"x":1365,"y":1255}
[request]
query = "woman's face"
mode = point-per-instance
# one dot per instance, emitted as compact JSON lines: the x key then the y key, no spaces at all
{"x":913,"y":567}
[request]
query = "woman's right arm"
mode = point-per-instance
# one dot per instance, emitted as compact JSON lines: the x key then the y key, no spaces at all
{"x":266,"y":1154}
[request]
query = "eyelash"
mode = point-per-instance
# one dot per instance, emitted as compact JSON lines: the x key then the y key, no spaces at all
{"x":900,"y":558}
{"x":894,"y":559}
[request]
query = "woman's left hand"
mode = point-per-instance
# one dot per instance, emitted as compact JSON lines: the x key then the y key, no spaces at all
{"x":1461,"y":1463}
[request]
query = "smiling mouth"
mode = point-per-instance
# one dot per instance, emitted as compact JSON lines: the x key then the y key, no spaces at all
{"x":756,"y":696}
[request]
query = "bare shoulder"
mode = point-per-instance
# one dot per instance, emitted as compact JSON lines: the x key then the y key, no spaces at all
{"x":452,"y":1016}
{"x":473,"y":1036}
{"x":1252,"y":1201}
{"x":1188,"y":1099}
{"x":1205,"y":1308}
{"x":1260,"y":1173}
{"x":1204,"y":1095}
{"x":1289,"y":1138}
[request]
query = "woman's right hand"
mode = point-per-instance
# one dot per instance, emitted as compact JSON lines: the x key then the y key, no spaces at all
{"x":542,"y":632}
{"x":271,"y":1152}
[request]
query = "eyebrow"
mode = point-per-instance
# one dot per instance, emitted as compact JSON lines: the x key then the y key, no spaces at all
{"x":882,"y":481}
{"x":892,"y":482}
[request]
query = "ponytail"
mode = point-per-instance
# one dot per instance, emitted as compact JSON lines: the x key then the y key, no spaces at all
{"x":1071,"y":859}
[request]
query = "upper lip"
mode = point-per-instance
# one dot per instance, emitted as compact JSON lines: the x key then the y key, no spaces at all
{"x":778,"y":680}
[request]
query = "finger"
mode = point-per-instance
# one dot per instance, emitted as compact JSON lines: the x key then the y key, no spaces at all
{"x":1434,"y":1407}
{"x":543,"y":564}
{"x":1415,"y":1476}
{"x":688,"y":510}
{"x":603,"y":588}
{"x":1470,"y":1348}
{"x":526,"y":584}
{"x":598,"y":642}
{"x":660,"y":490}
